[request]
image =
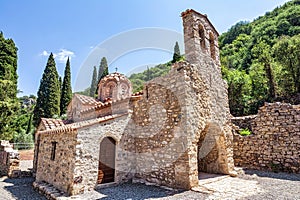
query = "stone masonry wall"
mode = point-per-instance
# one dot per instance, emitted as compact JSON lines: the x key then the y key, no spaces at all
{"x":208,"y":95}
{"x":181,"y":125}
{"x":156,"y":131}
{"x":87,"y":154}
{"x":166,"y":127}
{"x":244,"y":122}
{"x":275,"y":142}
{"x":9,"y":160}
{"x":58,"y":172}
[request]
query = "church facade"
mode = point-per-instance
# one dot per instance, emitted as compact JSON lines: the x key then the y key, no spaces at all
{"x":166,"y":134}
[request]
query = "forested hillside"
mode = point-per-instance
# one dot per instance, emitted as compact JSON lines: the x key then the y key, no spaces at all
{"x":261,"y":59}
{"x":139,"y":79}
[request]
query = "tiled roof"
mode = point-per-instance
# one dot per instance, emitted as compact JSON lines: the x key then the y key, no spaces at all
{"x":50,"y":123}
{"x":78,"y":125}
{"x":97,"y":107}
{"x":138,"y":93}
{"x":86,"y":100}
{"x":109,"y":102}
{"x":113,"y":76}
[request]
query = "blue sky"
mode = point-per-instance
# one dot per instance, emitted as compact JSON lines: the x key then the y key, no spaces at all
{"x":80,"y":28}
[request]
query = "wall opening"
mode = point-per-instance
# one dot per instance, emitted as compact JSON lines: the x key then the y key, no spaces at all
{"x":106,"y":167}
{"x":210,"y":147}
{"x":53,"y":150}
{"x":212,"y":46}
{"x":202,"y":36}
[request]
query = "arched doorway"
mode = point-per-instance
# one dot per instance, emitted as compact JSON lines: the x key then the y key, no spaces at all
{"x":106,"y":167}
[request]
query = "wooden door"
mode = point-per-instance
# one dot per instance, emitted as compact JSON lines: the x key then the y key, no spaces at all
{"x":106,"y":169}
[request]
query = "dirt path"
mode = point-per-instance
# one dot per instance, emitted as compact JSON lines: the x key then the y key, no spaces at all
{"x":26,"y":154}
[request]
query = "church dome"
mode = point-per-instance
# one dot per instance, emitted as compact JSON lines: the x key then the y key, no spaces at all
{"x":114,"y":86}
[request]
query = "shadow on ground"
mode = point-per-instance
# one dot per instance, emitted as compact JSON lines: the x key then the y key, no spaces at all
{"x":135,"y":191}
{"x":21,"y":188}
{"x":279,"y":175}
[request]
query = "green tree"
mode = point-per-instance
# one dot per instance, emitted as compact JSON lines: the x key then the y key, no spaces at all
{"x":287,"y":52}
{"x":176,"y":54}
{"x":228,"y":37}
{"x":103,"y":69}
{"x":268,"y":61}
{"x":8,"y":86}
{"x":48,"y":95}
{"x":239,"y":90}
{"x":66,"y":91}
{"x":85,"y":92}
{"x":94,"y":83}
{"x":237,"y":54}
{"x":262,"y":52}
{"x":29,"y":124}
{"x":139,"y":79}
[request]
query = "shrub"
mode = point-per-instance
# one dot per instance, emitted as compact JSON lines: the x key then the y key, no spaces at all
{"x":245,"y":132}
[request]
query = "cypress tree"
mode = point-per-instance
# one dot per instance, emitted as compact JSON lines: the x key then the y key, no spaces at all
{"x":94,"y":83}
{"x":48,"y":96}
{"x":103,"y":69}
{"x":8,"y":86}
{"x":66,"y":91}
{"x":60,"y":82}
{"x":176,"y":54}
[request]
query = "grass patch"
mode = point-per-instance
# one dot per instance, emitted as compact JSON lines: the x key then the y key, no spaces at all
{"x":245,"y":132}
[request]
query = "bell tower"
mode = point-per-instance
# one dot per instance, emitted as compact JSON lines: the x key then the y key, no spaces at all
{"x":200,"y":38}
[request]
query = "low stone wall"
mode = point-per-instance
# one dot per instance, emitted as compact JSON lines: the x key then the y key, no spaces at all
{"x":275,"y":142}
{"x":244,"y":122}
{"x":9,"y":160}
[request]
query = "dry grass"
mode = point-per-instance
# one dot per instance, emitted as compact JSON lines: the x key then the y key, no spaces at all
{"x":26,"y":154}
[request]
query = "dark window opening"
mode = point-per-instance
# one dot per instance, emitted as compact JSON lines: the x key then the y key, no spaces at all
{"x":147,"y":93}
{"x":202,"y":36}
{"x":53,"y":149}
{"x":212,"y":46}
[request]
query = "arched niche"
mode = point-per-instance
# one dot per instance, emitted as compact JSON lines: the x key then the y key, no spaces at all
{"x":212,"y":46}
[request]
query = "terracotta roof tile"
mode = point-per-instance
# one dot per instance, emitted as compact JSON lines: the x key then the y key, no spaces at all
{"x":97,"y":107}
{"x":86,"y":100}
{"x":52,"y":123}
{"x":78,"y":125}
{"x":113,"y":76}
{"x":138,"y":93}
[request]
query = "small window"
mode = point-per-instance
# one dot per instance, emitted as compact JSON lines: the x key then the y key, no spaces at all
{"x":212,"y":46}
{"x":53,"y":149}
{"x":202,"y":36}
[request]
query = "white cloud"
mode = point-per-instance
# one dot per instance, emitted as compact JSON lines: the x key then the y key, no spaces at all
{"x":60,"y":56}
{"x":44,"y":53}
{"x":63,"y":54}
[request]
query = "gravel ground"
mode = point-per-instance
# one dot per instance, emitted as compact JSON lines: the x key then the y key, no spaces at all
{"x":274,"y":185}
{"x":18,"y":188}
{"x":248,"y":185}
{"x":25,"y":165}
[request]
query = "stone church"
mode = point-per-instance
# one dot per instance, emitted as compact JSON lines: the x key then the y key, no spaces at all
{"x":166,"y":134}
